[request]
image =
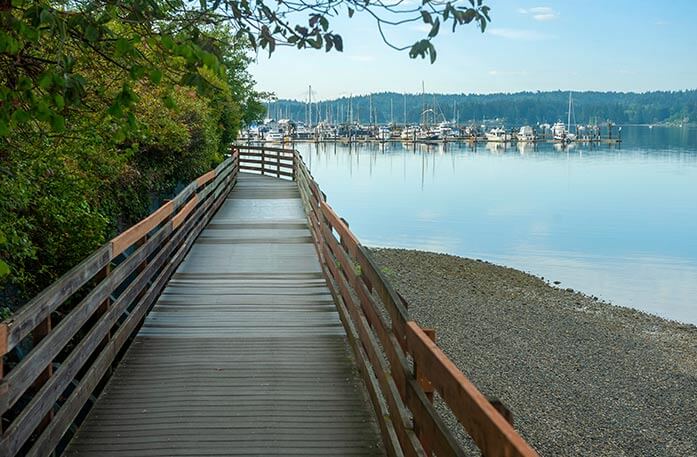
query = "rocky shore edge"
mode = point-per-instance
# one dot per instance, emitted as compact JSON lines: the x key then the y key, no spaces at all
{"x":581,"y":376}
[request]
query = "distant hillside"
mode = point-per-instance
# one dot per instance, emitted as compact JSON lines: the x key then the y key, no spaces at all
{"x":512,"y":109}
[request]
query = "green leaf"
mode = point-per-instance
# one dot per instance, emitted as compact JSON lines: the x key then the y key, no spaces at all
{"x":137,"y":71}
{"x":167,"y":42}
{"x":4,"y":128}
{"x":91,"y":33}
{"x":119,"y":136}
{"x":46,"y":80}
{"x":57,"y":123}
{"x":20,"y":116}
{"x":132,"y":123}
{"x":123,"y":46}
{"x":426,"y":16}
{"x":4,"y":269}
{"x":155,"y":76}
{"x":350,"y":12}
{"x":115,"y":110}
{"x":59,"y":101}
{"x":169,"y":102}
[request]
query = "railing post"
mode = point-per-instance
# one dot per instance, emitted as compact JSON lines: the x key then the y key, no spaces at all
{"x":103,"y":309}
{"x":295,"y":165}
{"x":263,"y":157}
{"x":39,"y":333}
{"x":427,"y":387}
{"x":3,"y":352}
{"x":278,"y":164}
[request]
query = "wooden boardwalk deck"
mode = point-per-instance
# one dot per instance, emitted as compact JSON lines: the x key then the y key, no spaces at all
{"x":244,"y":352}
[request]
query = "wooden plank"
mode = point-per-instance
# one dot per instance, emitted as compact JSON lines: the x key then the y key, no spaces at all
{"x":20,"y":324}
{"x":28,"y":369}
{"x":24,"y":425}
{"x":392,"y":350}
{"x":242,"y":148}
{"x":184,"y":212}
{"x":333,"y":404}
{"x":66,"y":414}
{"x":183,"y":196}
{"x":489,"y":430}
{"x":397,"y":311}
{"x":204,"y":179}
{"x":387,"y":429}
{"x":409,"y":442}
{"x":130,"y":236}
{"x":266,"y":161}
{"x":429,"y":425}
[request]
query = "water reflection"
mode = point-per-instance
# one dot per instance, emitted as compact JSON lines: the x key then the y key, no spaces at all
{"x":617,"y":222}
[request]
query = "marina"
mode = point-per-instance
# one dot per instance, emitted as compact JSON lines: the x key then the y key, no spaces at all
{"x":433,"y":128}
{"x":285,"y":131}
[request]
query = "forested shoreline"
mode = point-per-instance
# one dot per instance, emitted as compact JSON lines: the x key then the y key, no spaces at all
{"x":101,"y":119}
{"x":669,"y":107}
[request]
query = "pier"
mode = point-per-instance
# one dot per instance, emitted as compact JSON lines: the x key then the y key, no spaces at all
{"x":243,"y":317}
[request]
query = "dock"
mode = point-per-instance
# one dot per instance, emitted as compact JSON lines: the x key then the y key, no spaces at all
{"x":243,"y":317}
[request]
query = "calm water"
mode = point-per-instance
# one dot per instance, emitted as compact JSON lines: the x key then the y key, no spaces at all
{"x":619,"y":223}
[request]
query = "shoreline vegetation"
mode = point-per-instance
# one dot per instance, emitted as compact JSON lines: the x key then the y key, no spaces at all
{"x":581,"y":376}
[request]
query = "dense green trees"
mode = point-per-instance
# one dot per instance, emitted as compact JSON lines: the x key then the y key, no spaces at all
{"x":513,"y":109}
{"x":106,"y":106}
{"x":104,"y":109}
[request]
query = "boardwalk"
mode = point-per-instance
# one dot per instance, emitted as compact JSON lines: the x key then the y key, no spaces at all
{"x":235,"y":320}
{"x":244,"y":352}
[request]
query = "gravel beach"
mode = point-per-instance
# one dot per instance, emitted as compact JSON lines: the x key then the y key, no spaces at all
{"x":581,"y":377}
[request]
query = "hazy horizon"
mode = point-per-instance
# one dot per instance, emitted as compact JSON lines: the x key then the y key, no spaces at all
{"x":466,"y":94}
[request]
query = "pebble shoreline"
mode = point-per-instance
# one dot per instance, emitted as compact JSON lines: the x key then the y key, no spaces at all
{"x":581,"y":377}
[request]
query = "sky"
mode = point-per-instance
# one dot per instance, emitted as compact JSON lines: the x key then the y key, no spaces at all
{"x":615,"y":45}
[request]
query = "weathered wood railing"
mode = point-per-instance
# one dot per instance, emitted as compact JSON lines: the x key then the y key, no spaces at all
{"x":401,"y":365}
{"x":65,"y":341}
{"x":268,"y":161}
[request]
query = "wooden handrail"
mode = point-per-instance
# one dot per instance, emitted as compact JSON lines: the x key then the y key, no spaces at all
{"x":101,"y":302}
{"x":390,"y":347}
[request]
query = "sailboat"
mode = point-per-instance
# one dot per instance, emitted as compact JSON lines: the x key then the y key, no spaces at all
{"x":562,"y":133}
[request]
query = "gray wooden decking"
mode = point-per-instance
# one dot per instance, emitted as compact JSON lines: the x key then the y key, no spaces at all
{"x":243,"y":354}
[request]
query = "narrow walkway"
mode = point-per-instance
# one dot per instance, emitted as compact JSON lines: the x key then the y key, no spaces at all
{"x":243,"y":354}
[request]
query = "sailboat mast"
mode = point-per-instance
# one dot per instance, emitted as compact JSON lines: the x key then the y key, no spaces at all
{"x":568,"y":119}
{"x":405,"y":110}
{"x":391,"y":111}
{"x":309,"y":104}
{"x":423,"y":102}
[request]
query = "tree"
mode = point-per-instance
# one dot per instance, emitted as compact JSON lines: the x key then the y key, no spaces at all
{"x":172,"y":40}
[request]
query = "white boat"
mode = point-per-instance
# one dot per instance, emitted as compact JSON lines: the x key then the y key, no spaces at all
{"x":498,"y":135}
{"x":274,"y":137}
{"x":427,"y":135}
{"x":445,"y":130}
{"x":561,"y":134}
{"x":526,"y":134}
{"x":409,"y":133}
{"x":383,"y":133}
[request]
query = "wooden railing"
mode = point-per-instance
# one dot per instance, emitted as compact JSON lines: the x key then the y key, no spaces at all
{"x":269,"y":161}
{"x":404,"y":370}
{"x":64,"y":342}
